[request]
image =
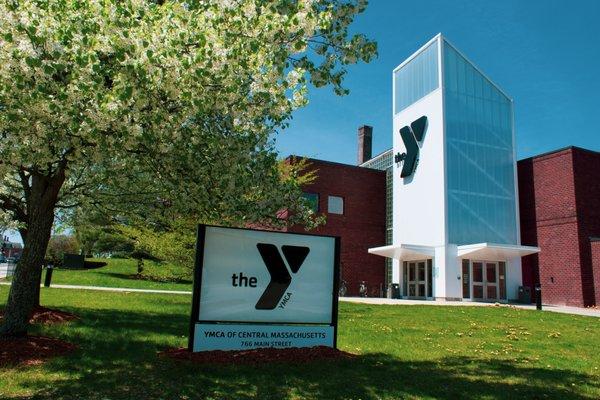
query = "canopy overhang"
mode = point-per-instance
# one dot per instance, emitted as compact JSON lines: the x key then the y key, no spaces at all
{"x":495,"y":252}
{"x":404,"y":252}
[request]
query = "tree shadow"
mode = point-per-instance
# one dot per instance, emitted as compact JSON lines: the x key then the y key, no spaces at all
{"x":118,"y":359}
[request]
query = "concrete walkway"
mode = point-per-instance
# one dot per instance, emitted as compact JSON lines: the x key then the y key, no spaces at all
{"x":588,"y":312}
{"x":111,"y":289}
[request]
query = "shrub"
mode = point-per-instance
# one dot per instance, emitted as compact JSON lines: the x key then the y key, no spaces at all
{"x":59,"y":245}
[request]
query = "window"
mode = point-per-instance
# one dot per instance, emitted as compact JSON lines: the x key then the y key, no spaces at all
{"x":335,"y":205}
{"x":417,"y":78}
{"x":313,"y":200}
{"x":479,"y":156}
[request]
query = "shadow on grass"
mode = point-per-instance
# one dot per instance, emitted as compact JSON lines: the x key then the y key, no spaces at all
{"x":118,"y":360}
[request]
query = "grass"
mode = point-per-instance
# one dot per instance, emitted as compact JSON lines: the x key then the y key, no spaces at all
{"x":120,"y":273}
{"x":414,"y":352}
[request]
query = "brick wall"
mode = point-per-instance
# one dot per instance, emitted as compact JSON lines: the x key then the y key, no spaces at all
{"x":587,"y":189}
{"x":559,"y":210}
{"x":595,"y":250}
{"x":362,"y":225}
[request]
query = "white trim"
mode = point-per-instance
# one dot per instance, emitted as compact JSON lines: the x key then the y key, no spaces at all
{"x":404,"y":252}
{"x":393,"y":105}
{"x":498,"y":252}
{"x":444,"y":139}
{"x":515,"y":173}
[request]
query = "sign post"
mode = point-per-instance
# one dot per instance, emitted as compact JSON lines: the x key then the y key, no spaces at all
{"x":255,"y":289}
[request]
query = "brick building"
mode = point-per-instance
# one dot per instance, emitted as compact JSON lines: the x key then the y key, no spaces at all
{"x":595,"y":245}
{"x":559,"y":199}
{"x":353,"y":200}
{"x":450,"y":210}
{"x":11,"y":249}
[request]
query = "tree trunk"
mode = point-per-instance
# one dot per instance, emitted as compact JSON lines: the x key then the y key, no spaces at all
{"x":23,"y":291}
{"x":36,"y":296}
{"x":36,"y":299}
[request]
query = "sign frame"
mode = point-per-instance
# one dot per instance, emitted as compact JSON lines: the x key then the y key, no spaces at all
{"x":197,"y":285}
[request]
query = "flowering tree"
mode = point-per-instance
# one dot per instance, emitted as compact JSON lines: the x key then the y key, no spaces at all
{"x":126,"y":104}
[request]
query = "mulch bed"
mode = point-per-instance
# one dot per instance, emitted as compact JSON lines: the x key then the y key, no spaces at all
{"x":258,"y":356}
{"x":48,"y":316}
{"x":32,"y":350}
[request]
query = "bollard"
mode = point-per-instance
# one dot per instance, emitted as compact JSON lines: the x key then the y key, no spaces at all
{"x":49,"y":270}
{"x":538,"y":296}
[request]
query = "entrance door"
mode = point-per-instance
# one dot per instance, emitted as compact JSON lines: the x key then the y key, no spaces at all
{"x":491,"y":281}
{"x":477,"y":279}
{"x":485,"y":281}
{"x":417,"y":279}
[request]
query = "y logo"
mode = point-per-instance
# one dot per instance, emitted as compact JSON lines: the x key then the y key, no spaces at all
{"x":410,"y":136}
{"x":280,"y":277}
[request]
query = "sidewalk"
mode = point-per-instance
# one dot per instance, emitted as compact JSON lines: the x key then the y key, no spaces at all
{"x":111,"y":289}
{"x":588,"y":312}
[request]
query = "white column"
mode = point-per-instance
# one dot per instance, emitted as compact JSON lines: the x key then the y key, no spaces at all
{"x":439,"y":273}
{"x":453,"y":273}
{"x":396,"y":272}
{"x":514,"y":278}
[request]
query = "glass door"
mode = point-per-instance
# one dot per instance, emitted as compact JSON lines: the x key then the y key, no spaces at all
{"x":419,"y":279}
{"x":412,"y":279}
{"x":485,"y":280}
{"x":477,"y":279}
{"x":421,"y":282}
{"x":491,"y":281}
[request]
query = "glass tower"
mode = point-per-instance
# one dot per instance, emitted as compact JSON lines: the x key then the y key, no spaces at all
{"x":454,"y":231}
{"x":477,"y":123}
{"x":479,"y":155}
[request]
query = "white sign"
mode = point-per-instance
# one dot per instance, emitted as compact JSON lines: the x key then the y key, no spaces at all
{"x":259,"y":281}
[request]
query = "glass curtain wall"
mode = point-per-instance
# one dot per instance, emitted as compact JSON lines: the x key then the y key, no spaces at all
{"x":384,"y":162}
{"x":479,"y":156}
{"x":417,"y":78}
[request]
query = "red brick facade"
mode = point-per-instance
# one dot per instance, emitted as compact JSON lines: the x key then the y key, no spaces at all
{"x":595,"y":247}
{"x":559,"y":200}
{"x":560,"y":210}
{"x":360,"y":227}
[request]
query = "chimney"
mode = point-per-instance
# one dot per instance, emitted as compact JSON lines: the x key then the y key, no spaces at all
{"x":365,"y":142}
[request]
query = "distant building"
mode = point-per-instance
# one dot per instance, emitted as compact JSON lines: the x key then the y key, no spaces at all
{"x":11,"y":249}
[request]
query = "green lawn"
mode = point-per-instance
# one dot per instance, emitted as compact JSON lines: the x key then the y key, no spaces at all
{"x":405,"y":352}
{"x":119,"y":273}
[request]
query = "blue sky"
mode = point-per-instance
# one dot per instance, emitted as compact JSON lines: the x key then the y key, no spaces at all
{"x":544,"y":53}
